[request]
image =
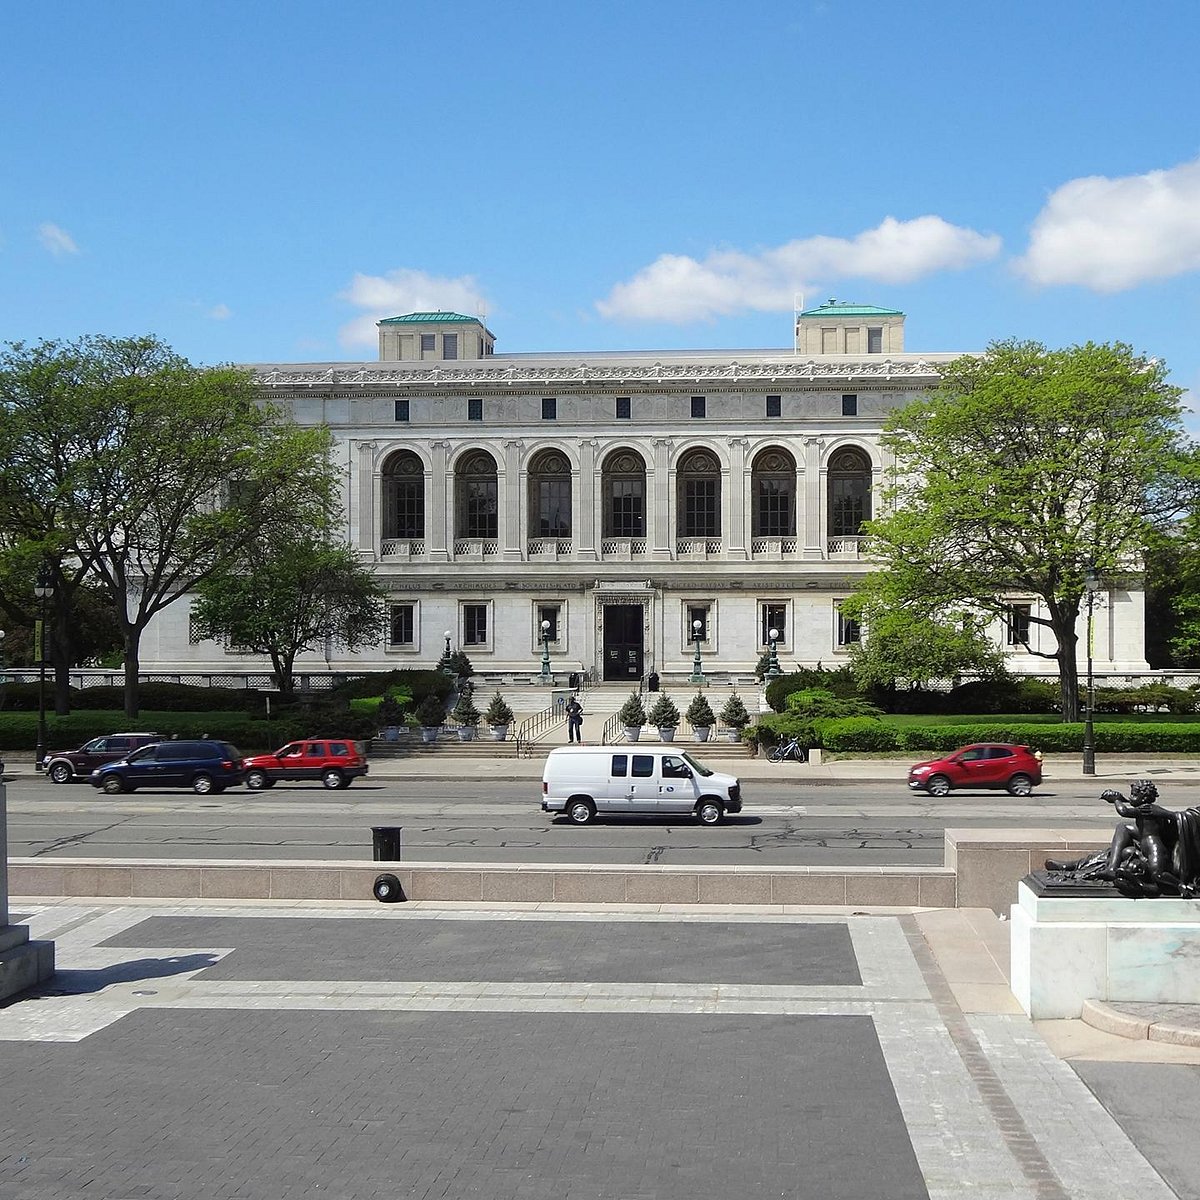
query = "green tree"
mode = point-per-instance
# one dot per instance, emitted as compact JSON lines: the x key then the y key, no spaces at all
{"x":159,"y":472}
{"x":1024,"y":470}
{"x":291,"y":592}
{"x":906,"y":647}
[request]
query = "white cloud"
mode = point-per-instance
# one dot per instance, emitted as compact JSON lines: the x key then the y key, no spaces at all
{"x":220,"y":312}
{"x":57,"y":240}
{"x":1112,"y":234}
{"x":404,"y":291}
{"x":681,"y":289}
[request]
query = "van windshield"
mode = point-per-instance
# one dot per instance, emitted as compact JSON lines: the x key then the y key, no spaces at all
{"x":696,"y":765}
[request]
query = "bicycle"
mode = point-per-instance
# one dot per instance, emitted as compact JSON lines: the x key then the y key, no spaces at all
{"x":788,"y":750}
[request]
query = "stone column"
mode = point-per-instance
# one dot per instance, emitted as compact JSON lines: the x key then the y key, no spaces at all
{"x":369,"y":531}
{"x":512,"y":483}
{"x":813,"y":543}
{"x":584,"y":512}
{"x":734,"y":503}
{"x":658,"y":507}
{"x":439,"y":503}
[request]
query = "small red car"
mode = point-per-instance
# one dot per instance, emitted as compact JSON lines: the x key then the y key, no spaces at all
{"x":983,"y":765}
{"x":334,"y":761}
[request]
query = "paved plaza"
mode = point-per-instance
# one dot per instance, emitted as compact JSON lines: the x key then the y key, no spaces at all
{"x":354,"y":1050}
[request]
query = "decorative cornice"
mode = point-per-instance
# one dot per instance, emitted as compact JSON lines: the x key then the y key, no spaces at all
{"x":499,"y":377}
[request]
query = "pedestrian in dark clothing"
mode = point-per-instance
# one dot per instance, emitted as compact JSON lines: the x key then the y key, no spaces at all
{"x":574,"y":720}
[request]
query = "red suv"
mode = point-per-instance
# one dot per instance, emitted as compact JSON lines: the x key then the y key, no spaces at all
{"x":991,"y":765}
{"x":63,"y":766}
{"x":334,"y":761}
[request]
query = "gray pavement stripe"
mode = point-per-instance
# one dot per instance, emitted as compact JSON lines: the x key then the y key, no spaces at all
{"x":1008,"y":1118}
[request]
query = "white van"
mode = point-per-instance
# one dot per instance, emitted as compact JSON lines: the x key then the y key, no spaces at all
{"x":583,"y":781}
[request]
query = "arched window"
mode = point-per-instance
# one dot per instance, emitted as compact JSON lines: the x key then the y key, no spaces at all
{"x":773,"y":487}
{"x":623,"y":484}
{"x":699,"y":512}
{"x":849,"y":492}
{"x":550,"y":495}
{"x":476,"y":493}
{"x":404,"y":497}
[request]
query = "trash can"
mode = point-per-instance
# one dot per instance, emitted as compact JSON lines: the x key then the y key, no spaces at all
{"x":386,"y":840}
{"x":652,"y":682}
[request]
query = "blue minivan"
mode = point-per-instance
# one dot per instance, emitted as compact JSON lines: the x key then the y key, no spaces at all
{"x":204,"y":766}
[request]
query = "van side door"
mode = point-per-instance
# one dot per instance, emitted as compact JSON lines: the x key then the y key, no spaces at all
{"x":642,"y":785}
{"x":677,"y":789}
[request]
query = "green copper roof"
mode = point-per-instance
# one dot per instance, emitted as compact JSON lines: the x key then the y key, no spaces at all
{"x":843,"y":308}
{"x":429,"y":318}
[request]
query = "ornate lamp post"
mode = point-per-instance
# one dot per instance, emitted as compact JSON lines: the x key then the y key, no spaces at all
{"x":697,"y":675}
{"x":43,"y":589}
{"x":545,"y":640}
{"x":1092,"y":585}
{"x":3,"y":677}
{"x":444,"y":662}
{"x":773,"y":671}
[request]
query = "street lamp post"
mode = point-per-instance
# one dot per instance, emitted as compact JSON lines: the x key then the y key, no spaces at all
{"x":697,"y":675}
{"x":773,"y":671}
{"x":1092,"y":585}
{"x":42,"y":590}
{"x":3,"y":677}
{"x":545,"y":640}
{"x":444,"y":664}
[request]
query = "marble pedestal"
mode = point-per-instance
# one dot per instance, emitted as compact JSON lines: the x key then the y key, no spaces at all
{"x":23,"y":964}
{"x":1065,"y":950}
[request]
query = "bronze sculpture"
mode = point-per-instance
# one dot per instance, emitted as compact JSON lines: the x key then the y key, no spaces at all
{"x":1156,"y":852}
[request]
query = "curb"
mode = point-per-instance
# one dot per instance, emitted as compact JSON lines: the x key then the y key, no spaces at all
{"x":1103,"y":1016}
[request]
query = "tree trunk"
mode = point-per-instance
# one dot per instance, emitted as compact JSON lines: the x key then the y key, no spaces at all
{"x":132,"y":663}
{"x":1068,"y":669}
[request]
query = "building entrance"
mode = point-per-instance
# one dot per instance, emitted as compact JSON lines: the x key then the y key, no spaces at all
{"x":623,"y":645}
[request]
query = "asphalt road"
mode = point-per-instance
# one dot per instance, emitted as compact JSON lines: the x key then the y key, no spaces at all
{"x":859,"y":823}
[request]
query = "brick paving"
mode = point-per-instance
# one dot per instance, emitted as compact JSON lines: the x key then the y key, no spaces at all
{"x":255,"y":1051}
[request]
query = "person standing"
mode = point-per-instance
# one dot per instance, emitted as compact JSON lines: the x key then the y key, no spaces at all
{"x":574,"y":720}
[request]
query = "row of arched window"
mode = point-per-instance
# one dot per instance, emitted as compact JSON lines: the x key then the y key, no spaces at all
{"x":623,"y":491}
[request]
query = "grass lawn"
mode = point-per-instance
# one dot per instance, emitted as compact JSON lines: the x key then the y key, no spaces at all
{"x":902,"y":719}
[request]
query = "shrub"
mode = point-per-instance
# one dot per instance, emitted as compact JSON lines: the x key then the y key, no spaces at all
{"x":857,"y":733}
{"x":840,"y":682}
{"x":431,"y":712}
{"x":460,"y":665}
{"x":498,"y":712}
{"x":815,"y":703}
{"x":465,"y":712}
{"x":632,"y":714}
{"x":734,"y":713}
{"x":663,"y":713}
{"x":390,"y":712}
{"x":700,"y":713}
{"x":417,"y":684}
{"x":170,"y":697}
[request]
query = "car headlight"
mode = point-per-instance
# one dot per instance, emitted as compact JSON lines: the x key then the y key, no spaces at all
{"x":920,"y":770}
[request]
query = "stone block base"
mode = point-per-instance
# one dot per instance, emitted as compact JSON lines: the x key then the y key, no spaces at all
{"x":23,"y":964}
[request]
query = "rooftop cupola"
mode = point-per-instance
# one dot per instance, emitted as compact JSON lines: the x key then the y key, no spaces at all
{"x":434,"y":337}
{"x":841,"y":327}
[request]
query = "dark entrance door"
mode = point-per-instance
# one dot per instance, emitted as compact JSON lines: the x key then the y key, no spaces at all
{"x":623,"y":641}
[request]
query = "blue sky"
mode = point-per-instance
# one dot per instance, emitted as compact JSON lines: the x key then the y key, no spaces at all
{"x":259,"y":182}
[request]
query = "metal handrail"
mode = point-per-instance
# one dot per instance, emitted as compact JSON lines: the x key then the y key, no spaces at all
{"x":532,"y":729}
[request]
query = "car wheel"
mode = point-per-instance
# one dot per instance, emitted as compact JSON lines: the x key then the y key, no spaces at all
{"x":1020,"y":785}
{"x":386,"y":889}
{"x":113,"y":785}
{"x":256,"y":780}
{"x":939,"y":785}
{"x":710,"y":812}
{"x":202,"y":784}
{"x":332,"y":779}
{"x":60,"y":772}
{"x":581,"y":811}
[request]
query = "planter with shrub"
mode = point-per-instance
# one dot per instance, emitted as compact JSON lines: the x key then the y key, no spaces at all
{"x":735,"y":717}
{"x":467,"y":716}
{"x":633,"y":716}
{"x":499,"y":716}
{"x":431,"y":715}
{"x":700,"y":717}
{"x":665,"y":716}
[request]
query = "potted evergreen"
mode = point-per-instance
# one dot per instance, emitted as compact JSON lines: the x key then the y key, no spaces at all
{"x":431,"y":714}
{"x":700,"y":716}
{"x":391,"y":717}
{"x":735,"y":717}
{"x":633,"y":717}
{"x":499,"y":716}
{"x":467,"y":716}
{"x":665,"y":715}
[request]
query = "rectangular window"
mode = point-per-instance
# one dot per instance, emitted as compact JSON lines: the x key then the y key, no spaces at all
{"x":773,"y":508}
{"x":401,"y":410}
{"x":626,"y":512}
{"x":774,"y":406}
{"x":481,"y":347}
{"x":1017,"y":624}
{"x":696,"y":612}
{"x":848,"y":632}
{"x":774,"y":616}
{"x":698,"y":407}
{"x":549,"y":408}
{"x":701,"y":508}
{"x":620,"y":766}
{"x":403,"y":625}
{"x":479,"y":503}
{"x":475,"y":624}
{"x":828,"y":341}
{"x":548,"y":612}
{"x":643,"y":766}
{"x":553,"y":508}
{"x":474,"y":408}
{"x":624,"y":408}
{"x":874,"y":341}
{"x":449,"y":345}
{"x":428,"y":343}
{"x":849,"y":406}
